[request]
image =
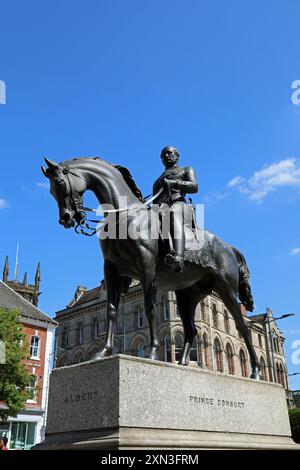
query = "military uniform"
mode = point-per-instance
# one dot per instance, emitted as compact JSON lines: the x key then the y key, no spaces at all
{"x":175,"y":183}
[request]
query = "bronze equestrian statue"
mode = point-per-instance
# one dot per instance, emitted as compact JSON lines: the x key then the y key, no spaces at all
{"x":215,"y":266}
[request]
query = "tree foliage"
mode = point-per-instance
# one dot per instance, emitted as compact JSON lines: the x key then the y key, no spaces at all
{"x":295,"y":423}
{"x":14,"y":378}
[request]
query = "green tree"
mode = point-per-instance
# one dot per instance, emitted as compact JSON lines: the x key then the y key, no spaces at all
{"x":14,"y":378}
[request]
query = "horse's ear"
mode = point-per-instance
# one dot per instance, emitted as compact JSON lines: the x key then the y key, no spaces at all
{"x":44,"y":171}
{"x":51,"y":164}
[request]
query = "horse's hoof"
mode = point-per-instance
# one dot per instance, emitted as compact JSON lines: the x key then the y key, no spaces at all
{"x":106,"y":352}
{"x":255,"y":373}
{"x":183,"y":363}
{"x":153,"y":355}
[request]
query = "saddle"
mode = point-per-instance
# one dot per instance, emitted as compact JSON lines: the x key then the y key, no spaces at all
{"x":198,"y":242}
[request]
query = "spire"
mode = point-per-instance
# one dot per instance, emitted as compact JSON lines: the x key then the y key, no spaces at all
{"x":25,"y":279}
{"x":6,"y":270}
{"x":38,"y":277}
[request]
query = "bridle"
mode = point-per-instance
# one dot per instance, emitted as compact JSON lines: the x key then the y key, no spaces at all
{"x":83,"y":227}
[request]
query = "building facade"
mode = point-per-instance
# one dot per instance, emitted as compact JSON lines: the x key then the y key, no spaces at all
{"x":28,"y":428}
{"x":217,"y":347}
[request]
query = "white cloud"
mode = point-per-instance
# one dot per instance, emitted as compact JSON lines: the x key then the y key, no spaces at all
{"x":43,"y":185}
{"x":295,"y":251}
{"x":268,"y":179}
{"x":235,"y":181}
{"x":3,"y":203}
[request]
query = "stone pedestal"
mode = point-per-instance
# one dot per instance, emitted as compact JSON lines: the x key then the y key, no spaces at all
{"x":124,"y":402}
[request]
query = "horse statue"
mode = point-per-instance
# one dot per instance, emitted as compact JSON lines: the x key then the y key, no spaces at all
{"x":216,"y":266}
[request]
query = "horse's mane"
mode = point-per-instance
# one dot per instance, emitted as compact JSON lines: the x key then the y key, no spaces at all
{"x":130,"y":182}
{"x":127,"y":176}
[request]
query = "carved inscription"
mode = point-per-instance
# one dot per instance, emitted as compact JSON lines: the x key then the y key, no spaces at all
{"x":216,"y":402}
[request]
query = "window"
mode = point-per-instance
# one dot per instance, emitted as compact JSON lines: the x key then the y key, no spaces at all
{"x":64,"y":338}
{"x":94,"y":329}
{"x":140,"y":317}
{"x":178,"y":346}
{"x":206,"y":351}
{"x":226,"y":321}
{"x":230,"y":359}
{"x":141,"y":350}
{"x":166,"y":310}
{"x":203,"y":311}
{"x":79,"y":333}
{"x":243,"y":363}
{"x":275,"y":342}
{"x":281,"y":379}
{"x":35,"y":347}
{"x":218,"y":355}
{"x":215,"y":316}
{"x":167,"y":349}
{"x":194,"y":356}
{"x":259,"y":341}
{"x":22,"y":435}
{"x":32,"y":389}
{"x":263,"y":369}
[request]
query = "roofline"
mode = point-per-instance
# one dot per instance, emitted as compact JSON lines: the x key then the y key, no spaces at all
{"x":49,"y":319}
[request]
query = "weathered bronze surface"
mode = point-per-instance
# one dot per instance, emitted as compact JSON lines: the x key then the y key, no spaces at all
{"x":191,"y":273}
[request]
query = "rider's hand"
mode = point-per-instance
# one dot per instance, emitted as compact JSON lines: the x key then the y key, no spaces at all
{"x":171,"y":184}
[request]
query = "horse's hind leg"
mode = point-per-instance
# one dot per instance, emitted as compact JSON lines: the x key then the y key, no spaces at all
{"x":230,"y":300}
{"x":186,"y":304}
{"x":113,"y":286}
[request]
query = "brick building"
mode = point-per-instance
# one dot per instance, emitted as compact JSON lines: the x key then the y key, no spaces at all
{"x":28,"y":427}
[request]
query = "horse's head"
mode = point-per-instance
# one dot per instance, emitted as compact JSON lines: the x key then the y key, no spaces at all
{"x":67,"y":188}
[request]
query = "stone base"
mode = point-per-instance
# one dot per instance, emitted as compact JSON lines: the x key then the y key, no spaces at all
{"x":123,"y":402}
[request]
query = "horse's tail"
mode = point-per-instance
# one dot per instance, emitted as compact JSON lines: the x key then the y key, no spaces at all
{"x":244,"y":285}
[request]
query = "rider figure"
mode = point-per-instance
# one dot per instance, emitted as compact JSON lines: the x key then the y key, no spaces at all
{"x":175,"y":182}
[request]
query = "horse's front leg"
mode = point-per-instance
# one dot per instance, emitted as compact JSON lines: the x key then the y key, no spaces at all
{"x":113,"y":287}
{"x":150,"y":309}
{"x":146,"y":268}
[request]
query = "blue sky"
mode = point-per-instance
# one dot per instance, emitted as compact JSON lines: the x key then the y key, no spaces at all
{"x":122,"y":79}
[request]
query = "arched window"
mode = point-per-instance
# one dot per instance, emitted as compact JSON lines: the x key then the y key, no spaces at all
{"x":141,"y":350}
{"x":167,"y":349}
{"x":178,"y":346}
{"x":263,"y":369}
{"x":35,"y":345}
{"x":62,"y":361}
{"x":166,"y":310}
{"x":215,"y":316}
{"x":281,"y":375}
{"x":230,"y":359}
{"x":277,"y":373}
{"x":218,"y":355}
{"x":203,"y":311}
{"x":64,"y":337}
{"x":243,"y":363}
{"x":78,"y":357}
{"x":194,"y":356}
{"x":206,"y":351}
{"x":226,"y":321}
